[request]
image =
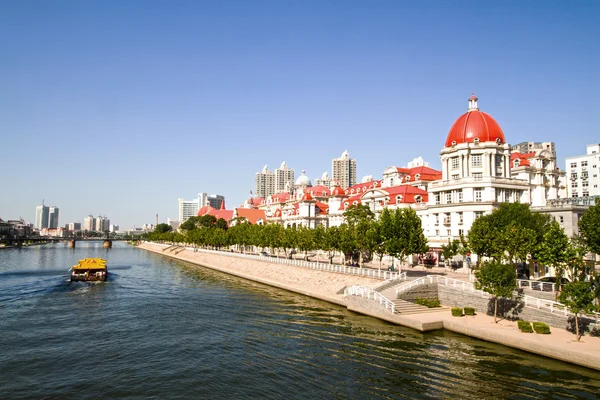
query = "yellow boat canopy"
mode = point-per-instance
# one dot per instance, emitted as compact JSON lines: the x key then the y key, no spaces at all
{"x":90,"y":263}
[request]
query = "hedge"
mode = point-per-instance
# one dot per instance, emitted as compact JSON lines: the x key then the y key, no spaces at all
{"x":427,"y":302}
{"x":525,"y":326}
{"x":469,"y":311}
{"x":540,"y":327}
{"x":457,"y":312}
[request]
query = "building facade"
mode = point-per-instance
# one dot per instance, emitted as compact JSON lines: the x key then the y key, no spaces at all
{"x":582,"y":173}
{"x":53,"y":217}
{"x":41,"y":216}
{"x":284,"y":179}
{"x":264,"y":183}
{"x":343,"y":170}
{"x":89,"y":223}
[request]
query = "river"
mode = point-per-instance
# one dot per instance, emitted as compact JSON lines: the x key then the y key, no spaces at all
{"x":164,"y":329}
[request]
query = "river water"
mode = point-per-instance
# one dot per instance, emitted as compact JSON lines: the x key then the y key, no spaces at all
{"x":164,"y":329}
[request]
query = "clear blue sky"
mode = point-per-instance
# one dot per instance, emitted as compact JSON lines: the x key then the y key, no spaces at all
{"x":120,"y":107}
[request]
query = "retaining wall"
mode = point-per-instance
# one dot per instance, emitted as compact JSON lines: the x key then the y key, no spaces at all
{"x":427,"y":290}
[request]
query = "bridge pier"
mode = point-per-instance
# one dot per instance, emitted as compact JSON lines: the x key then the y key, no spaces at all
{"x":108,"y":244}
{"x":72,"y":244}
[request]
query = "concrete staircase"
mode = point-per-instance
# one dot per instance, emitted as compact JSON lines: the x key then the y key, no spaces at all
{"x":406,"y":307}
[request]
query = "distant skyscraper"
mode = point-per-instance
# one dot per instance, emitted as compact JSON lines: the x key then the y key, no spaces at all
{"x":344,"y":170}
{"x":529,"y":147}
{"x":53,"y":218}
{"x":41,"y":216}
{"x":264,"y":183}
{"x":284,"y":178}
{"x":89,"y":223}
{"x":215,"y":200}
{"x":101,"y":224}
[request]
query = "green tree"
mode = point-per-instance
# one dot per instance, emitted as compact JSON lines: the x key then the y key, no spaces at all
{"x":359,"y":218}
{"x":222,"y":224}
{"x":579,"y":297}
{"x":405,"y":235}
{"x":346,"y":242}
{"x":518,"y":242}
{"x":330,"y":242}
{"x":305,"y":240}
{"x":450,"y":250}
{"x":497,"y":279}
{"x":163,"y":228}
{"x":556,"y":251}
{"x":189,"y":224}
{"x":376,"y":240}
{"x":589,"y":227}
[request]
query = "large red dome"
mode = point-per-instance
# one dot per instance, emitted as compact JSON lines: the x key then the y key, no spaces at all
{"x":474,"y":124}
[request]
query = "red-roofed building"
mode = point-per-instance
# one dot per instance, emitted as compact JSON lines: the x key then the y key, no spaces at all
{"x":252,"y":215}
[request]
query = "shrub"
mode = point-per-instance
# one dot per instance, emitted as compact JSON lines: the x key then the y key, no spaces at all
{"x":525,"y":326}
{"x":540,"y":327}
{"x":427,"y":302}
{"x":457,"y":312}
{"x":469,"y":311}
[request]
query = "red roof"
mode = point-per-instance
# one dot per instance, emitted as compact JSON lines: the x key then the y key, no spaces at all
{"x":362,"y":187}
{"x":205,"y":210}
{"x":407,"y":192}
{"x":306,"y":197}
{"x":522,"y":157}
{"x":318,"y":191}
{"x":225,"y":214}
{"x":350,"y":201}
{"x":475,"y":124}
{"x":425,"y":174}
{"x":322,"y":207}
{"x":338,"y":191}
{"x":252,"y":215}
{"x":280,"y":197}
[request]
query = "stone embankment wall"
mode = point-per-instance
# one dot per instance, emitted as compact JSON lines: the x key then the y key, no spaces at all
{"x":427,"y":290}
{"x":512,"y":309}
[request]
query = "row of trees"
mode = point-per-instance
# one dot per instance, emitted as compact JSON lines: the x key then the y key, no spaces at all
{"x":513,"y":234}
{"x":397,"y":233}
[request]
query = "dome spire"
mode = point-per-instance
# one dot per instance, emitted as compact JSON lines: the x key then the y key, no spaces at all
{"x":473,"y":103}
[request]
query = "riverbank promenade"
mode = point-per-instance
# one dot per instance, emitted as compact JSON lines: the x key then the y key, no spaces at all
{"x":330,"y":286}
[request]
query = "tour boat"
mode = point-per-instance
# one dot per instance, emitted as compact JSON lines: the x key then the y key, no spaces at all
{"x":89,"y":269}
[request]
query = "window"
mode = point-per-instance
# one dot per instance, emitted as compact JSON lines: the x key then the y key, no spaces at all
{"x":461,"y":232}
{"x":516,"y":163}
{"x":447,"y":220}
{"x":574,"y":184}
{"x":584,"y":175}
{"x":573,"y":165}
{"x":448,"y":232}
{"x":499,"y":161}
{"x":584,"y":163}
{"x":436,"y":218}
{"x":476,"y":160}
{"x":585,"y":194}
{"x":448,"y":197}
{"x":585,"y":184}
{"x":460,"y":196}
{"x":460,"y":218}
{"x":437,"y":232}
{"x":418,"y":199}
{"x":391,"y":181}
{"x":478,"y":214}
{"x":477,"y":175}
{"x":455,"y":176}
{"x":574,"y":175}
{"x":437,"y":198}
{"x":478,"y":194}
{"x":562,"y":219}
{"x":454,"y":162}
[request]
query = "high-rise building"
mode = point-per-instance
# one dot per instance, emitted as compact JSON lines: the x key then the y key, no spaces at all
{"x":53,"y":217}
{"x":73,"y":226}
{"x":264,"y":183}
{"x":215,"y":200}
{"x":41,"y":216}
{"x":344,"y":170}
{"x":582,"y":173}
{"x":189,"y":208}
{"x":101,"y":224}
{"x":325,"y":180}
{"x":113,"y":228}
{"x":89,"y":223}
{"x":284,"y":178}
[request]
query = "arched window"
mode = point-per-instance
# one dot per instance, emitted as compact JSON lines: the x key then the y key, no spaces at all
{"x":417,"y":177}
{"x":418,"y":199}
{"x":399,"y":198}
{"x":476,"y":140}
{"x":407,"y":178}
{"x":391,"y":181}
{"x":517,"y":162}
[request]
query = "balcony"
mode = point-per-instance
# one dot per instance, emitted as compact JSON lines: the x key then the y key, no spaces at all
{"x":447,"y":221}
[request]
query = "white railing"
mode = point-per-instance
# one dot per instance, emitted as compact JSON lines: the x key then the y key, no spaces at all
{"x":370,"y":294}
{"x":529,"y":301}
{"x":535,"y":285}
{"x":340,"y":269}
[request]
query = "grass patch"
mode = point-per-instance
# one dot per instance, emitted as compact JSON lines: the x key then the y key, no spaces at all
{"x":427,"y":302}
{"x":457,"y":312}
